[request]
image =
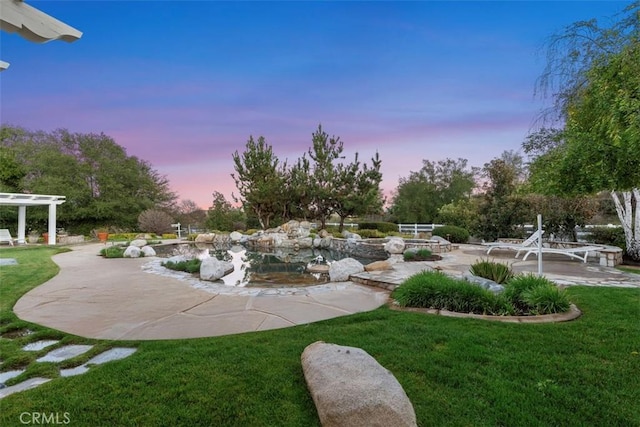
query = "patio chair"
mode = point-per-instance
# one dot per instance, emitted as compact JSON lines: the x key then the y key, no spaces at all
{"x":531,"y":242}
{"x":570,"y":252}
{"x":5,"y":236}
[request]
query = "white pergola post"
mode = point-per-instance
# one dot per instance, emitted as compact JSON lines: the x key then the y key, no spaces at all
{"x":52,"y":224}
{"x":22,"y":222}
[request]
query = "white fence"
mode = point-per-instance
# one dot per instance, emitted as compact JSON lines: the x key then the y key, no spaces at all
{"x":417,"y":228}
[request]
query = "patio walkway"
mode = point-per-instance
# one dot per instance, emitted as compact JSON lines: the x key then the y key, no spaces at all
{"x":120,"y":299}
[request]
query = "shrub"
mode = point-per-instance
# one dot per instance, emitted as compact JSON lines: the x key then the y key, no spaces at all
{"x":371,"y":234}
{"x":190,"y":266}
{"x":169,"y":236}
{"x":613,"y":236}
{"x":436,"y":290}
{"x":535,"y":295}
{"x":423,"y":253}
{"x":498,"y":272}
{"x":113,"y":252}
{"x":383,"y":227}
{"x":546,"y":299}
{"x":452,"y":233}
{"x":154,"y":221}
{"x":409,"y":255}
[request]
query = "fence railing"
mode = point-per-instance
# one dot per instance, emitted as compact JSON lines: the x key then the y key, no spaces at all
{"x":417,"y":228}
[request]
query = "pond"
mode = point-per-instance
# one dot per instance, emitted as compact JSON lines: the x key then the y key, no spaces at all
{"x":277,"y":268}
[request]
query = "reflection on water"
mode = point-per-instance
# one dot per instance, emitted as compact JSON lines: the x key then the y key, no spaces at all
{"x":279,"y":268}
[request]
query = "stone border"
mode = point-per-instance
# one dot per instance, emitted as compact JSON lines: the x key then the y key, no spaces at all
{"x":573,"y":313}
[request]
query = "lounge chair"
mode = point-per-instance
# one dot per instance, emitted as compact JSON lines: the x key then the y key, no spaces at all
{"x":531,"y":242}
{"x":570,"y":252}
{"x":5,"y":236}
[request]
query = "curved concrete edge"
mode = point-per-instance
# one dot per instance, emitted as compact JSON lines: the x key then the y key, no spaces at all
{"x":573,"y":313}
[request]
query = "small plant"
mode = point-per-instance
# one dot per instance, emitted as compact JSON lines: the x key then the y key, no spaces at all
{"x":113,"y":252}
{"x":424,"y":253}
{"x":189,"y":266}
{"x":546,"y":299}
{"x":409,"y":255}
{"x":452,"y":233}
{"x":498,"y":272}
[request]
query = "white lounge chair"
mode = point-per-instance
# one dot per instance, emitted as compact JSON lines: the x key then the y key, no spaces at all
{"x":531,"y":242}
{"x":5,"y":236}
{"x":570,"y":252}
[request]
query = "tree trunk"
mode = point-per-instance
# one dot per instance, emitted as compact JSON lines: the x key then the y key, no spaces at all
{"x":629,"y":214}
{"x":341,"y":227}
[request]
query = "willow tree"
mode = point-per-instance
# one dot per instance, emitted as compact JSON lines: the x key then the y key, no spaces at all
{"x":593,"y":76}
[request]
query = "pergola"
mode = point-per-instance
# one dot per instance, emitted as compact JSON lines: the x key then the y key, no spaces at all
{"x":23,"y":200}
{"x":18,"y":17}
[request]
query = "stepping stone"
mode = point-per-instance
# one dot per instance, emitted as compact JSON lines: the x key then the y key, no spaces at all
{"x":4,"y":376}
{"x":39,"y":345}
{"x":8,"y":261}
{"x":25,"y":385}
{"x":64,"y":353}
{"x":116,"y":353}
{"x":78,"y":370}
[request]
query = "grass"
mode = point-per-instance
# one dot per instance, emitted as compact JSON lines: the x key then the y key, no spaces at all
{"x":457,"y":372}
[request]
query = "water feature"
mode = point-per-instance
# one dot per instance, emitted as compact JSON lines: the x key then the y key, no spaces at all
{"x":277,"y":268}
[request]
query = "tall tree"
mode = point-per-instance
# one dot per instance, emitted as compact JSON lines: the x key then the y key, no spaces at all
{"x":593,"y":74}
{"x":324,"y":153}
{"x":419,"y":197}
{"x":102,"y":184}
{"x":259,"y":179}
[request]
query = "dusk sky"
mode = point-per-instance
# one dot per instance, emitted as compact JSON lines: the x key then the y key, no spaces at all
{"x":182,"y":84}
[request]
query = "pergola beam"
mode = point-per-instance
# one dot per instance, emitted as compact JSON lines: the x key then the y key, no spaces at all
{"x":23,"y":200}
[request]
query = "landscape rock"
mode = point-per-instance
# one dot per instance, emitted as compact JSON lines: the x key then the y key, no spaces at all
{"x":205,"y":238}
{"x":138,"y":242}
{"x":131,"y":252}
{"x":236,"y":236}
{"x":213,"y":269}
{"x":148,"y":251}
{"x":349,"y":235}
{"x":395,"y":245}
{"x":484,"y":283}
{"x":378,"y":266}
{"x":350,"y":388}
{"x":339,"y":271}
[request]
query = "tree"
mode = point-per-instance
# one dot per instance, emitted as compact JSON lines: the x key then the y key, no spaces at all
{"x":358,"y":189}
{"x":419,"y":197}
{"x":222,"y":216}
{"x":259,"y":180}
{"x":324,"y":174}
{"x":155,"y":221}
{"x":102,"y":184}
{"x":593,"y":73}
{"x":189,"y":214}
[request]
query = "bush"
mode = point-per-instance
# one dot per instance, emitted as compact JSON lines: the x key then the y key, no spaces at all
{"x":189,"y":266}
{"x":436,"y":290}
{"x":371,"y":234}
{"x":383,"y":227}
{"x":531,"y":294}
{"x":169,"y":236}
{"x":498,"y":272}
{"x":411,"y":254}
{"x":608,"y":236}
{"x":546,"y":299}
{"x":452,"y":233}
{"x":113,"y":252}
{"x":154,"y":221}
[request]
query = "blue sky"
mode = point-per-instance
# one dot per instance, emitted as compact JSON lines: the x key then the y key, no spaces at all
{"x":183,"y":84}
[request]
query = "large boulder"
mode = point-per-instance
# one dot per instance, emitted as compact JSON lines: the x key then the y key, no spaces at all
{"x":236,"y":236}
{"x":342,"y":269}
{"x":350,"y":388}
{"x":148,"y":251}
{"x":138,"y":243}
{"x":213,"y":269}
{"x":131,"y":252}
{"x":395,"y":245}
{"x":205,"y":238}
{"x":350,"y":235}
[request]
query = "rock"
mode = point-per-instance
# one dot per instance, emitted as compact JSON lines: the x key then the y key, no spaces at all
{"x":378,"y":266}
{"x":484,"y":283}
{"x":148,"y":251}
{"x":177,"y":258}
{"x":318,"y":268}
{"x":323,"y":233}
{"x":213,"y":269}
{"x":138,"y":242}
{"x":350,"y":388}
{"x":305,"y":242}
{"x":236,"y":236}
{"x":131,"y":252}
{"x":395,"y":245}
{"x":352,"y":236}
{"x":205,"y":238}
{"x":339,"y":271}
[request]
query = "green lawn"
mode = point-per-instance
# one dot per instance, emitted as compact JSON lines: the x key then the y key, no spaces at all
{"x":457,"y":372}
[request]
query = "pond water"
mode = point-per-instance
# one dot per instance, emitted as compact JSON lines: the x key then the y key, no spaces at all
{"x":278,"y":268}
